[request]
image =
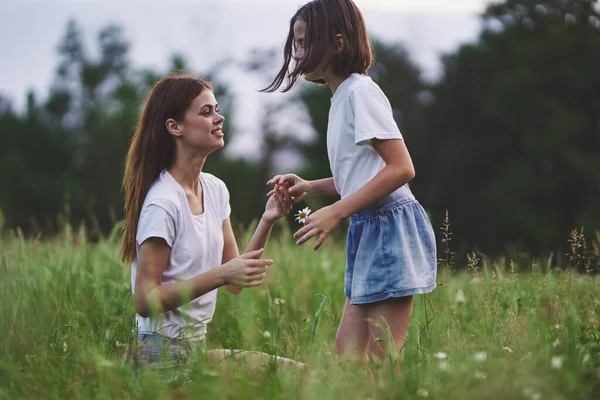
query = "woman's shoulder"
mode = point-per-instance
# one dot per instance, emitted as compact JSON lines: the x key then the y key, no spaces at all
{"x":213,"y":181}
{"x":164,"y":192}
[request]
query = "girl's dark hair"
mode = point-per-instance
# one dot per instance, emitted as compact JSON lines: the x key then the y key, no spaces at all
{"x":152,"y":148}
{"x":324,"y":20}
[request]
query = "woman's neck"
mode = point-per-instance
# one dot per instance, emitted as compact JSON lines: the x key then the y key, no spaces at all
{"x":186,"y":169}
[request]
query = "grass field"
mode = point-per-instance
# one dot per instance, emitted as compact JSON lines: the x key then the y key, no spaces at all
{"x":494,"y":331}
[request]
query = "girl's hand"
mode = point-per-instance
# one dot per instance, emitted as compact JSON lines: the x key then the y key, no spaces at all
{"x":280,"y":203}
{"x":297,"y":187}
{"x":321,"y":223}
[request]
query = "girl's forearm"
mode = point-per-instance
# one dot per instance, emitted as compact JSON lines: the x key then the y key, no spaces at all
{"x":323,"y":187}
{"x":385,"y":182}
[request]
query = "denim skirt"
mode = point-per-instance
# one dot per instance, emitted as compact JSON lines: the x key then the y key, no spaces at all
{"x":391,"y":250}
{"x":167,"y":356}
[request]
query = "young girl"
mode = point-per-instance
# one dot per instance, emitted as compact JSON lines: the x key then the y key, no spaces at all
{"x":391,"y":251}
{"x":177,"y":230}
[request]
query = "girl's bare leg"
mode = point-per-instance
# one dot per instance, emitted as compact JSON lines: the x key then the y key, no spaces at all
{"x":394,"y":315}
{"x":353,"y":333}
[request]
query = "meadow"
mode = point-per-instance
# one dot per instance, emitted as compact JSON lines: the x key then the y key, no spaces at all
{"x":494,"y":329}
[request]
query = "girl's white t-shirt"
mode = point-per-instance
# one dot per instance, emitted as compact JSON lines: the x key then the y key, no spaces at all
{"x":359,"y":112}
{"x":196,"y":243}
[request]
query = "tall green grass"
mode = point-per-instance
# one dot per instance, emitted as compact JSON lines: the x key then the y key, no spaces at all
{"x":497,"y":331}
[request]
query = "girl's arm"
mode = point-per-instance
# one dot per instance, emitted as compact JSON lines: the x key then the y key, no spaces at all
{"x":398,"y":171}
{"x":300,"y":188}
{"x":150,"y":295}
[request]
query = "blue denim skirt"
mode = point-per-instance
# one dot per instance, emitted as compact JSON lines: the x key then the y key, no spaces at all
{"x":167,"y":356}
{"x":391,"y":250}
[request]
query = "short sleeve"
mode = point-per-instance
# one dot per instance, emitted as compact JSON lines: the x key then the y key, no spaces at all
{"x":226,"y":207}
{"x":373,"y":117}
{"x":157,"y":219}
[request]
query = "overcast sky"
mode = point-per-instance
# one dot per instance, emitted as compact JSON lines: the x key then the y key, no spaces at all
{"x":208,"y":31}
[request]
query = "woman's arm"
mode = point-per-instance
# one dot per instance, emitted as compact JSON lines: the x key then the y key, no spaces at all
{"x":278,"y":205}
{"x":151,"y":296}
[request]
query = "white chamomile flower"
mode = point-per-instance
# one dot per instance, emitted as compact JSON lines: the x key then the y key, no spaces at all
{"x":266,"y":334}
{"x":303,"y":214}
{"x":481,"y":356}
{"x":556,"y":362}
{"x":460,"y":297}
{"x":440,"y":355}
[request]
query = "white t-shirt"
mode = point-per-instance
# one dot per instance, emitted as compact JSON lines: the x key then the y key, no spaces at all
{"x":196,"y":243}
{"x":359,"y":112}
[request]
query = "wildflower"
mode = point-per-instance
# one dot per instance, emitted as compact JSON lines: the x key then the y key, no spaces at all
{"x":460,"y":297}
{"x":278,"y":301}
{"x":440,"y":355}
{"x":556,"y":362}
{"x":267,"y":334}
{"x":532,"y":394}
{"x":507,"y":349}
{"x":303,"y":214}
{"x":65,"y":347}
{"x":481,"y":356}
{"x":422,"y":392}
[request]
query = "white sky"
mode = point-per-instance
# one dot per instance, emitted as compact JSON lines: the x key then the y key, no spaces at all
{"x":206,"y":32}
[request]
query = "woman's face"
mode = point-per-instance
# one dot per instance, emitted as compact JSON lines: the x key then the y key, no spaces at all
{"x":202,"y":125}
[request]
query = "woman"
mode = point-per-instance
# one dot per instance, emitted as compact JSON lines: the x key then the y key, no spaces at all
{"x":177,"y":231}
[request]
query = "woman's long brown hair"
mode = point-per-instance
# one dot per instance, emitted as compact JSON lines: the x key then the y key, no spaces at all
{"x":152,"y":147}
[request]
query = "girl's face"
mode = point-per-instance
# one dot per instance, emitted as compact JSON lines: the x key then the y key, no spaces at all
{"x":202,"y":125}
{"x":322,"y":70}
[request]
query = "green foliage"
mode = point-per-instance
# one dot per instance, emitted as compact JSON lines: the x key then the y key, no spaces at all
{"x":496,"y":332}
{"x":514,"y":128}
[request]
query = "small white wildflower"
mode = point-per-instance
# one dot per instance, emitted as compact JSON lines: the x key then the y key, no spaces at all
{"x":65,"y":347}
{"x":557,"y":326}
{"x":440,"y":355}
{"x":556,"y":343}
{"x":532,"y":394}
{"x":267,"y":334}
{"x":278,"y":301}
{"x":303,"y":214}
{"x":479,"y":375}
{"x":422,"y":392}
{"x":507,"y":349}
{"x":444,"y":366}
{"x":460,"y":297}
{"x":556,"y":362}
{"x":480,"y":356}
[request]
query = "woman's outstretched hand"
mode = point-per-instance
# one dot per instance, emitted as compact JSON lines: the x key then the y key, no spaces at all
{"x":279,"y":204}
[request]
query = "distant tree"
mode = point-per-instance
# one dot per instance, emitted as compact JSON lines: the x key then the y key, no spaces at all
{"x":514,"y":129}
